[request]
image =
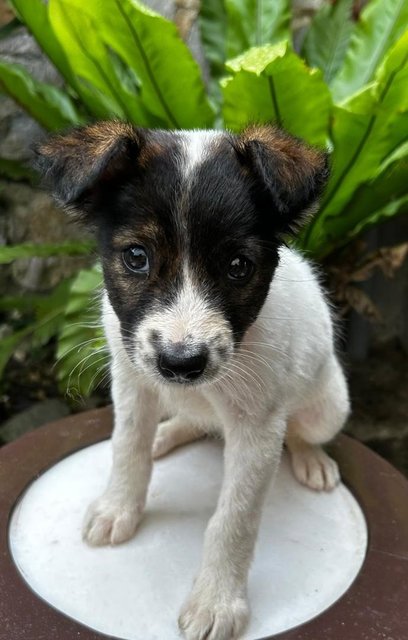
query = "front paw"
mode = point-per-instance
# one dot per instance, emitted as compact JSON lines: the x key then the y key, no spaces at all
{"x":109,"y":521}
{"x":213,"y":615}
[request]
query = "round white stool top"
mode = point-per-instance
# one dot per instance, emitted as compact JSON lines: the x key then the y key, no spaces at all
{"x":311,"y":546}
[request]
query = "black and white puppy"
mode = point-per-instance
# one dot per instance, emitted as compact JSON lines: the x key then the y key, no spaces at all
{"x":209,"y":319}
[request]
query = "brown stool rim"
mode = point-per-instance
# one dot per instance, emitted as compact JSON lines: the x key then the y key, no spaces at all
{"x":375,"y":606}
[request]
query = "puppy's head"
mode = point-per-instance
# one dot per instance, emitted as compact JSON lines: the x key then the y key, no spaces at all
{"x":189,"y":225}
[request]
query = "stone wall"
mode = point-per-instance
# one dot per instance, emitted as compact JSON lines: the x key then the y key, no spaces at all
{"x":26,"y":213}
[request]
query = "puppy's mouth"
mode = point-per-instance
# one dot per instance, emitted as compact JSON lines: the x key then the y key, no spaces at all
{"x":182,"y":381}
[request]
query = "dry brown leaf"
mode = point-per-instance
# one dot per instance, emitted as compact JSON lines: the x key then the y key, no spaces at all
{"x":360,"y":301}
{"x":353,"y":266}
{"x":387,"y":259}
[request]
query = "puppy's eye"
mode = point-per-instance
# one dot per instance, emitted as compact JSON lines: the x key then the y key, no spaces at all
{"x":240,"y":268}
{"x":136,"y":260}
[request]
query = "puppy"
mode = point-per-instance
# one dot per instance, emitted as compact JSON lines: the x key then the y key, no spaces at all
{"x":209,"y":319}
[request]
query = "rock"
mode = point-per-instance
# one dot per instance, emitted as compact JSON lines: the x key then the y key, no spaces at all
{"x":17,"y":130}
{"x":32,"y":418}
{"x":27,"y":215}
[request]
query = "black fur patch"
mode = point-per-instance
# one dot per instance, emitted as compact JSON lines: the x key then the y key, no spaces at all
{"x":142,"y":210}
{"x":223,"y":222}
{"x":289,"y":175}
{"x":131,"y":183}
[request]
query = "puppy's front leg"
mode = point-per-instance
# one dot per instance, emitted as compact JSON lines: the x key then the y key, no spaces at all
{"x":113,"y":517}
{"x":217,"y":608}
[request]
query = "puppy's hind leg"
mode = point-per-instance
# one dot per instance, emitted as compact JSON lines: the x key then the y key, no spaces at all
{"x":174,"y":433}
{"x":311,"y":465}
{"x":314,"y":425}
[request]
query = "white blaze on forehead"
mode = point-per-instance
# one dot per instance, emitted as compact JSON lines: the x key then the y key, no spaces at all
{"x":191,"y":316}
{"x":197,"y":145}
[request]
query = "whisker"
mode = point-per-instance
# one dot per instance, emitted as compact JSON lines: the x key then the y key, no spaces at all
{"x":87,"y":357}
{"x":249,"y":372}
{"x":257,"y":358}
{"x":268,"y":345}
{"x":79,"y":347}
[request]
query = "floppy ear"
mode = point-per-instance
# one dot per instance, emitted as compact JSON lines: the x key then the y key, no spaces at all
{"x":77,"y":163}
{"x":289,"y":175}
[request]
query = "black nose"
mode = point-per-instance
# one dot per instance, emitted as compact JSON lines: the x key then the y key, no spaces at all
{"x":179,"y":361}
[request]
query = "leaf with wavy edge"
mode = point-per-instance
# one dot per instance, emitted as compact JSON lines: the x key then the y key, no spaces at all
{"x":82,"y":357}
{"x":272,"y":84}
{"x":380,"y":24}
{"x":381,"y":198}
{"x":48,"y":310}
{"x":252,"y":23}
{"x":171,"y":92}
{"x":394,"y":207}
{"x":96,"y":78}
{"x":365,"y":131}
{"x":328,"y":36}
{"x":34,"y":14}
{"x":171,"y":84}
{"x":30,"y":250}
{"x":213,"y":30}
{"x":50,"y":106}
{"x":372,"y":203}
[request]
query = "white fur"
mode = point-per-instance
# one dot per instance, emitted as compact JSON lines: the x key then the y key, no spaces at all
{"x":284,"y":380}
{"x":190,"y":320}
{"x":196,"y":145}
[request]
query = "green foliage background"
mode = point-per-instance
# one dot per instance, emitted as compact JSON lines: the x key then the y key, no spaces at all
{"x":346,"y":90}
